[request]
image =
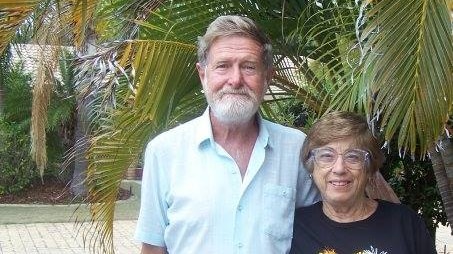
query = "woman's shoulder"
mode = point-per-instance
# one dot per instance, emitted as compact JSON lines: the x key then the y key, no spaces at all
{"x":393,"y":206}
{"x":311,"y":209}
{"x":397,"y":211}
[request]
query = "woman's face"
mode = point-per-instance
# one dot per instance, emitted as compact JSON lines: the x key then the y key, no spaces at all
{"x":339,"y":173}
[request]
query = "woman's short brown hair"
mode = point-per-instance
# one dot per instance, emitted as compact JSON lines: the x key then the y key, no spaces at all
{"x":342,"y":125}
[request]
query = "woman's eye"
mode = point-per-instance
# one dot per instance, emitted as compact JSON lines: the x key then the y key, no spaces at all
{"x":352,"y":157}
{"x":325,"y":156}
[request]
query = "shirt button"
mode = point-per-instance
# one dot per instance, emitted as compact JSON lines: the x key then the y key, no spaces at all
{"x":284,"y":193}
{"x":240,"y":245}
{"x":239,"y":208}
{"x":233,"y":172}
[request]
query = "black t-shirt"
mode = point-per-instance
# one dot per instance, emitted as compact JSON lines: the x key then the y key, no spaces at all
{"x":391,"y":229}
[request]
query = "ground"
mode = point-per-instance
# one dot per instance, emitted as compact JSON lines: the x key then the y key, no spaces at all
{"x":51,"y":192}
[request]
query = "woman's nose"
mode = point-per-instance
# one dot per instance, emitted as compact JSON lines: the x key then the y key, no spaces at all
{"x":339,"y":165}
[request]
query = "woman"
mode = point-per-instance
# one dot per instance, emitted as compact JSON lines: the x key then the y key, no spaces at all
{"x":343,"y":156}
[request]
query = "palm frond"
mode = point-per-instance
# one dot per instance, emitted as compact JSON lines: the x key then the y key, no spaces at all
{"x":390,"y":60}
{"x":12,"y":15}
{"x":324,"y":56}
{"x":81,"y":18}
{"x":165,"y":79}
{"x":117,"y":20}
{"x":410,"y":48}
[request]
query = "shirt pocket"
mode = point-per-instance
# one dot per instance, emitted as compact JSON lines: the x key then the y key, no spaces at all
{"x":279,"y":203}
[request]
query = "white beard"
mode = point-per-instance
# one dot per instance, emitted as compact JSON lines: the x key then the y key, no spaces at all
{"x":233,"y":106}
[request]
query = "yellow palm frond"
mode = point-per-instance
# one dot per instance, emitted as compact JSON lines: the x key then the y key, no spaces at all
{"x":81,"y":18}
{"x":12,"y":14}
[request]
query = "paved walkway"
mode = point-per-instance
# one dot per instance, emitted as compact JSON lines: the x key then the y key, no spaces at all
{"x":61,"y":238}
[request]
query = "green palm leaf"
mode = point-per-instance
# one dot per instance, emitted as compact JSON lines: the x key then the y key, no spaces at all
{"x":409,"y":46}
{"x":391,"y":60}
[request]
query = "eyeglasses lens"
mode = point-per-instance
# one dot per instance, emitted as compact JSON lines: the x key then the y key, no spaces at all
{"x":353,"y":158}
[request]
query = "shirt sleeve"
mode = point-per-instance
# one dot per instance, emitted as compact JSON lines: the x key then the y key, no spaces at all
{"x":152,"y":219}
{"x":423,"y":239}
{"x":307,"y":193}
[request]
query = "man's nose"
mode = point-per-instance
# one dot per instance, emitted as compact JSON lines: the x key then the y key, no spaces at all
{"x":235,"y":78}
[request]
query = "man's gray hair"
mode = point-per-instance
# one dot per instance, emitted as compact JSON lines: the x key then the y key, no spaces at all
{"x":231,"y":25}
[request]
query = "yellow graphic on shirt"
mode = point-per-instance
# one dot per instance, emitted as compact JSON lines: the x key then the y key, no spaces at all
{"x":371,"y":251}
{"x":328,"y":251}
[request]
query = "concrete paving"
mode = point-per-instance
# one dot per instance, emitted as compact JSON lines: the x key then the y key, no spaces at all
{"x":60,"y":238}
{"x":444,"y":240}
{"x":50,"y":229}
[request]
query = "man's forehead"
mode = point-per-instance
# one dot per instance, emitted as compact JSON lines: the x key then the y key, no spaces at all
{"x":229,"y":50}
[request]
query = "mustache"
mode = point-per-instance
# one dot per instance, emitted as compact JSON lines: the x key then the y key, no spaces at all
{"x":229,"y":90}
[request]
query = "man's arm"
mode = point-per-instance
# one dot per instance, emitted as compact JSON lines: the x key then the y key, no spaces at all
{"x":151,"y":249}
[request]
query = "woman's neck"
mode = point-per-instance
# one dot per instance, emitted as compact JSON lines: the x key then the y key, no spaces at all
{"x":350,"y":213}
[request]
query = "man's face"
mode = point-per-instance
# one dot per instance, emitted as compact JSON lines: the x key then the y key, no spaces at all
{"x":234,"y":78}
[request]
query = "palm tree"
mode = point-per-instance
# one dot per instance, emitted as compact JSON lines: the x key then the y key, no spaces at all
{"x":336,"y":55}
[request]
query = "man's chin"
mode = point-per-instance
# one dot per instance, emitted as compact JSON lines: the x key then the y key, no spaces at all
{"x":234,"y":117}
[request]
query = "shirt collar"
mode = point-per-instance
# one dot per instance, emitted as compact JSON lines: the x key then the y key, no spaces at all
{"x":204,"y":131}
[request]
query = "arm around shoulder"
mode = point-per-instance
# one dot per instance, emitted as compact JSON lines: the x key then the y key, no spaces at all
{"x":152,"y":249}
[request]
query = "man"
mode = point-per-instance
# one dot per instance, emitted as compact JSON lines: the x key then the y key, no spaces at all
{"x":225,"y":182}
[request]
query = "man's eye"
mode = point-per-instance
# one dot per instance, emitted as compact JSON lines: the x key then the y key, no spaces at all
{"x":221,"y":66}
{"x":249,"y":68}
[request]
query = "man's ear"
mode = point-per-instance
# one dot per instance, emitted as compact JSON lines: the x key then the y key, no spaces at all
{"x":201,"y":72}
{"x":270,"y":74}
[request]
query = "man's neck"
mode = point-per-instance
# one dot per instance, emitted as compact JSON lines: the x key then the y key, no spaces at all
{"x":233,"y":132}
{"x":238,"y":140}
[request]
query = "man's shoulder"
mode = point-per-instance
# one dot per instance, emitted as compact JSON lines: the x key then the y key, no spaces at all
{"x":179,"y":132}
{"x":286,"y":131}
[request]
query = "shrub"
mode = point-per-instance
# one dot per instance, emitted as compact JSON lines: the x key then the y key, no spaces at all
{"x":16,"y":167}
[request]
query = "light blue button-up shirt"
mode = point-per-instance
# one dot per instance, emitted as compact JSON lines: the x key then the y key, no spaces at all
{"x":195,"y":201}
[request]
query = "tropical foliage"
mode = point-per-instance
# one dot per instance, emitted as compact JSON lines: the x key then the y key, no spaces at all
{"x":16,"y":167}
{"x":390,"y":60}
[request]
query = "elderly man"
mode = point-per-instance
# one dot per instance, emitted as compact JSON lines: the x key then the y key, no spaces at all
{"x":229,"y":180}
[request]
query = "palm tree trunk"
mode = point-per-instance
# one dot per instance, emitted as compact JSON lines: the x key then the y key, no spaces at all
{"x":80,"y":163}
{"x":442,"y":163}
{"x":447,"y":158}
{"x":78,"y":186}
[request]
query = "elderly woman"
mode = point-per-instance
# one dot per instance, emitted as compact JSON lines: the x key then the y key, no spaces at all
{"x":343,"y":156}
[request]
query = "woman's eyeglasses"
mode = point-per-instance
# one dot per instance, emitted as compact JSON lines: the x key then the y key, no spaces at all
{"x":353,"y":158}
